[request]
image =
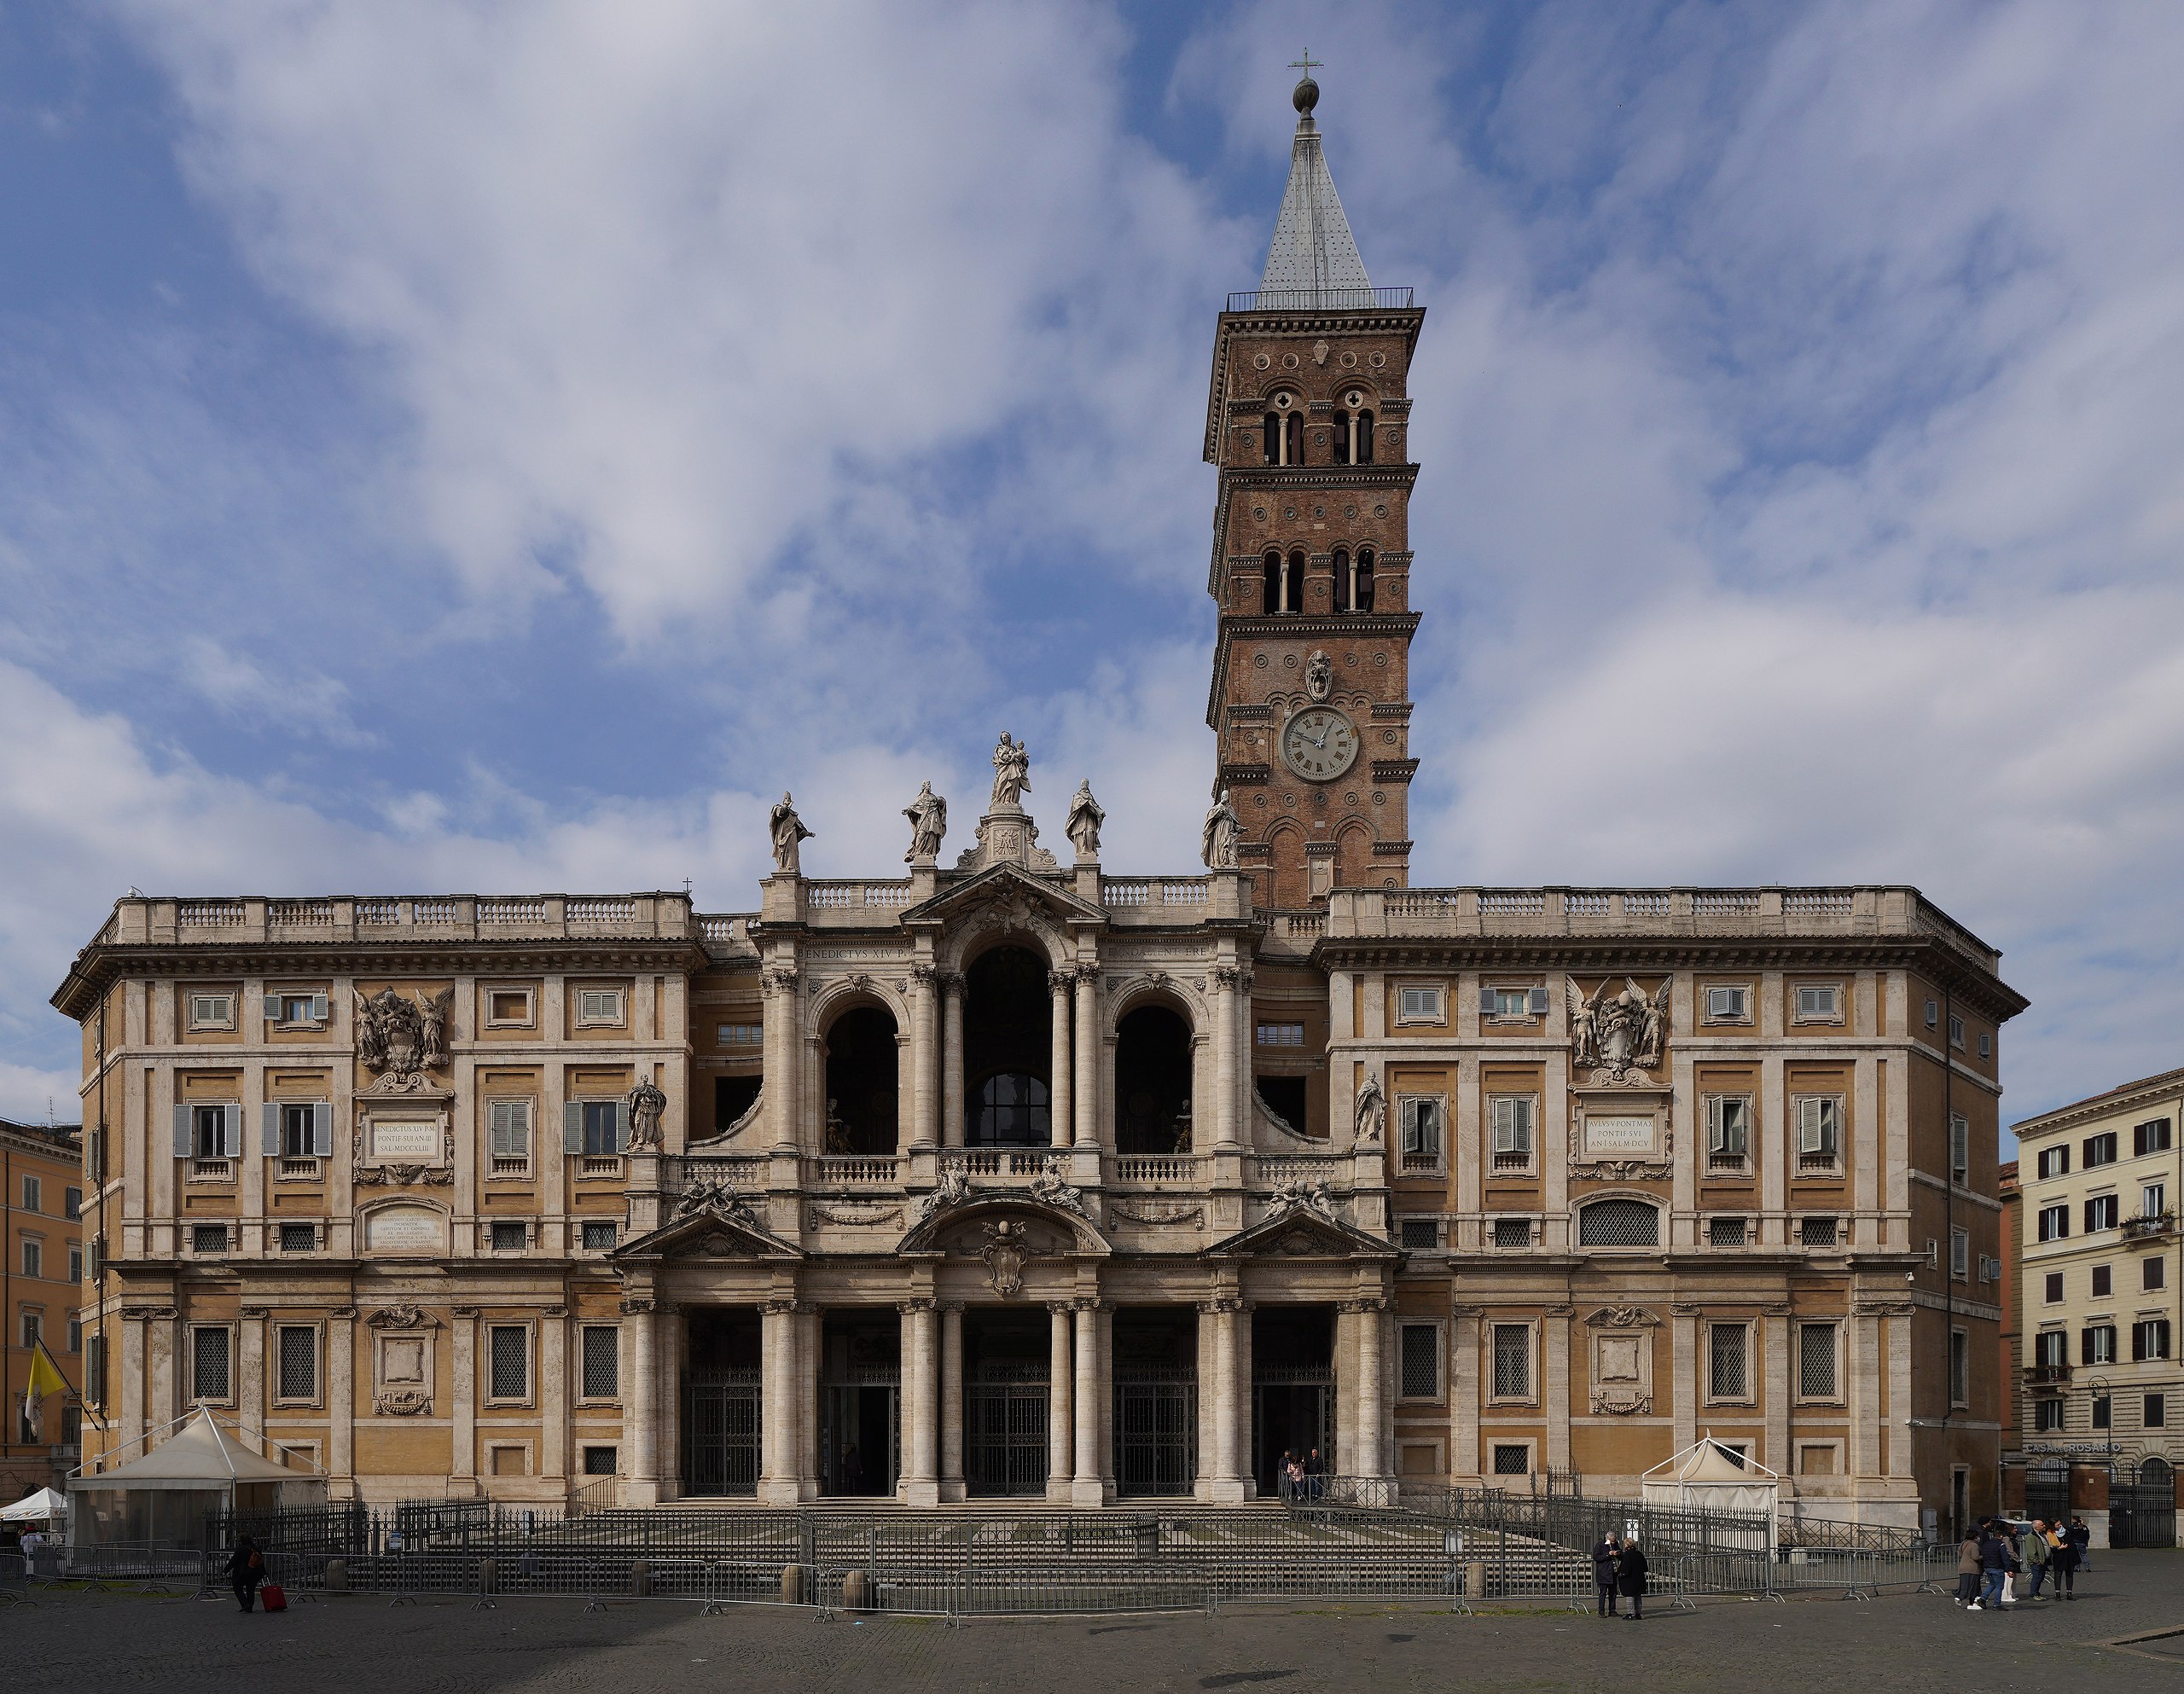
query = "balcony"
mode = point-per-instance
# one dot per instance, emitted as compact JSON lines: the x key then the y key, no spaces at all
{"x":2149,"y":1227}
{"x":2047,"y":1376}
{"x":1322,"y":300}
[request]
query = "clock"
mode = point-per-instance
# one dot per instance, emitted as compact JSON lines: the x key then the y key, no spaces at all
{"x":1319,"y":744}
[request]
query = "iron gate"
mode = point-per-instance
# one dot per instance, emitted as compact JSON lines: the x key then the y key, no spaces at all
{"x":1005,"y":1430}
{"x":2048,"y":1490}
{"x":2142,"y":1504}
{"x":1156,"y":1432}
{"x":721,"y":1431}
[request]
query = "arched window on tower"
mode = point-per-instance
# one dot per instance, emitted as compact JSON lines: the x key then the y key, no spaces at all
{"x":1364,"y":438}
{"x":1273,"y":603}
{"x":1283,"y":431}
{"x":1271,"y":430}
{"x":1292,"y":583}
{"x":1360,"y":582}
{"x":1293,"y":453}
{"x":1344,"y":583}
{"x":1353,"y":429}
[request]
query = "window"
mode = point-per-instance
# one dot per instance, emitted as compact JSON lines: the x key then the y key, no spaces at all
{"x":2054,"y":1162}
{"x":208,"y":1363}
{"x":507,"y":1008}
{"x":33,"y":1194}
{"x":2048,"y":1416}
{"x":1986,"y":1047}
{"x":32,"y":1329}
{"x":1956,"y":1033}
{"x":742,"y":1034}
{"x":296,"y":1010}
{"x":33,"y":1259}
{"x":2153,"y":1199}
{"x":1417,"y":1004}
{"x":1618,"y":1221}
{"x":1817,"y":1232}
{"x":94,"y":1370}
{"x":2097,"y":1344}
{"x":2054,"y":1222}
{"x":507,"y":1134}
{"x":2052,"y":1287}
{"x":1727,"y":1232}
{"x":1728,"y":1005}
{"x":509,"y":1361}
{"x":1960,"y":1254}
{"x":299,"y":1237}
{"x":2100,"y":1150}
{"x":71,"y":1204}
{"x":2103,"y":1211}
{"x":599,"y":1120}
{"x":2102,"y":1282}
{"x":1819,"y":1003}
{"x":1282,"y":1035}
{"x":75,"y":1334}
{"x":1726,"y":1377}
{"x":1933,"y":1015}
{"x":1013,"y":1112}
{"x":599,"y":1461}
{"x":1820,"y":1131}
{"x":1420,"y":1233}
{"x":2051,"y":1349}
{"x":2103,"y":1409}
{"x":1418,"y":1122}
{"x":298,"y":1136}
{"x":602,"y":1361}
{"x":1511,"y":1119}
{"x":510,"y":1235}
{"x":1353,"y":429}
{"x":76,"y":1262}
{"x":1728,"y":1132}
{"x":1502,"y":1004}
{"x":296,"y":1350}
{"x":1513,"y":1362}
{"x":2154,"y":1415}
{"x":1512,"y":1459}
{"x":1421,"y":1361}
{"x":1816,"y":1361}
{"x":598,"y":1235}
{"x":212,"y":1011}
{"x":598,"y":1006}
{"x":2150,"y":1339}
{"x":208,"y":1238}
{"x":1960,"y":1362}
{"x":2150,"y":1137}
{"x":1512,"y":1231}
{"x":1960,"y":1148}
{"x":2150,"y":1274}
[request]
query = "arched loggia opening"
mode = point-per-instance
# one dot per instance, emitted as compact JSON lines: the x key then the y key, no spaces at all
{"x":1007,"y":1050}
{"x":862,"y":1082}
{"x":1152,"y":1083}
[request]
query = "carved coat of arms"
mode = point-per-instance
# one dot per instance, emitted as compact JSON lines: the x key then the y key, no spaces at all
{"x":1614,"y":1035}
{"x":402,"y":1037}
{"x":1008,"y":1246}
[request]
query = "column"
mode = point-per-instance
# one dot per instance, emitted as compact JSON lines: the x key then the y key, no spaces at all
{"x":951,"y":1059}
{"x":553,"y":1393}
{"x":342,"y":1398}
{"x":951,"y":1400}
{"x":669,"y":1354}
{"x":1463,"y":1391}
{"x":1555,"y":1325}
{"x":1226,"y":1479}
{"x":1088,"y":1055}
{"x":640,"y":1408}
{"x":1061,"y":1429}
{"x":1776,"y":1347}
{"x":1061,"y":1116}
{"x":130,"y":1383}
{"x":1683,"y":1386}
{"x":811,"y":1332}
{"x":924,"y":1091}
{"x":784,"y":1052}
{"x":1224,"y":1057}
{"x":777,"y":1375}
{"x":1370,"y":1322}
{"x":921,"y":1487}
{"x":1085,"y":1485}
{"x":462,"y":1468}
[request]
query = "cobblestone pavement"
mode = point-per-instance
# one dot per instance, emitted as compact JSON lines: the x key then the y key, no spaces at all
{"x":92,"y":1643}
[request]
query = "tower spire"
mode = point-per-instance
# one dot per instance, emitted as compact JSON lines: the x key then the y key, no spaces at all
{"x":1313,"y":256}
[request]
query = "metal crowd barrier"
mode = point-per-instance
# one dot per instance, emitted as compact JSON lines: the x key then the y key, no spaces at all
{"x":1847,"y":1574}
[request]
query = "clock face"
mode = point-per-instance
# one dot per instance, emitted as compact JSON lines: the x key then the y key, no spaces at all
{"x":1319,"y":744}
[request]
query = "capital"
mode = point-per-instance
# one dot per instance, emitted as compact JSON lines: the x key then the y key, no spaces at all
{"x":925,"y":976}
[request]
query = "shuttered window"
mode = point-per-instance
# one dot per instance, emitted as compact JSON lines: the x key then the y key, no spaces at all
{"x":1512,"y":1116}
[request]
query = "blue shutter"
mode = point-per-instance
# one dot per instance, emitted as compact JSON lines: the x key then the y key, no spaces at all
{"x":621,"y":1126}
{"x":269,"y":1118}
{"x":573,"y":1126}
{"x":321,"y":1128}
{"x":181,"y":1147}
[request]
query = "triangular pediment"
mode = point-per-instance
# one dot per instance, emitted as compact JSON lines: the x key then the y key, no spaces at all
{"x":1004,"y":886}
{"x":1303,"y":1232}
{"x":709,"y":1233}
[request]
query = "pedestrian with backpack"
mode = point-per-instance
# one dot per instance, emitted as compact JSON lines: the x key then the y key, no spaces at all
{"x":245,"y":1571}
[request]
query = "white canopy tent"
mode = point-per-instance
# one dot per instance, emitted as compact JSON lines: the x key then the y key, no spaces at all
{"x":38,"y":1507}
{"x":1707,"y":1477}
{"x":165,"y":1495}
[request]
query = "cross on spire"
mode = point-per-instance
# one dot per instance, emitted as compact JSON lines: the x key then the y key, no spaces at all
{"x":1308,"y":64}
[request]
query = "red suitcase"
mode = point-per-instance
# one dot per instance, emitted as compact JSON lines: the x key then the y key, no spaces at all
{"x":272,"y":1598}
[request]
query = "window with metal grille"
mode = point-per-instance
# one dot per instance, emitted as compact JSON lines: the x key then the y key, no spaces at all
{"x":1511,"y":1116}
{"x":299,"y":1237}
{"x":1618,"y":1221}
{"x":509,"y":1351}
{"x":598,"y":1235}
{"x":297,"y":1360}
{"x":208,"y":1364}
{"x":1816,"y":1232}
{"x":1728,"y":1132}
{"x":510,"y":1236}
{"x":1816,"y":1361}
{"x":208,"y":1238}
{"x":1421,"y":1232}
{"x":1421,"y":1361}
{"x":1727,"y":1232}
{"x":599,"y":1461}
{"x":1728,"y":1377}
{"x":602,"y":1361}
{"x":1512,"y":1459}
{"x":1513,"y":1362}
{"x":1512,"y":1231}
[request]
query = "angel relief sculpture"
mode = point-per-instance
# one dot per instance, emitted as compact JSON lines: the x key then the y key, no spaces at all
{"x":1613,"y":1034}
{"x":403,"y":1038}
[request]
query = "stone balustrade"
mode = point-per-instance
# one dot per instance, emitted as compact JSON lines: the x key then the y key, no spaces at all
{"x":542,"y":917}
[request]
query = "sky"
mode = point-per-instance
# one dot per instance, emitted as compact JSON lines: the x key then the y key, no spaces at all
{"x":499,"y":448}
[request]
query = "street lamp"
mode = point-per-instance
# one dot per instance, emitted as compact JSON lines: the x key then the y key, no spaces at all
{"x":2100,"y":1386}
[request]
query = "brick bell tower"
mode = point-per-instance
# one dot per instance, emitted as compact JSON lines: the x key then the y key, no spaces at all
{"x":1307,"y":418}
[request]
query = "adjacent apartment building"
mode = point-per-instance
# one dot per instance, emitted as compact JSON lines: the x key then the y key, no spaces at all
{"x":2102,"y":1300}
{"x":41,"y":1285}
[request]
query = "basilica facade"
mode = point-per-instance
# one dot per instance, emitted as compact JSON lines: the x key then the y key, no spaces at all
{"x":1015,"y":1178}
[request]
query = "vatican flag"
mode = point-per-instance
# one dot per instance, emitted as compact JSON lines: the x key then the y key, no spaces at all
{"x":45,"y":1379}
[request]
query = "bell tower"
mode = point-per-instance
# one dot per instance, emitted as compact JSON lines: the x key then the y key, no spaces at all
{"x":1307,"y":418}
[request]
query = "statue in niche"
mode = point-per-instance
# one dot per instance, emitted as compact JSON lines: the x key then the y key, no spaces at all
{"x":647,"y":1105}
{"x":1012,"y":774}
{"x":1319,"y":676}
{"x":1372,"y":1110}
{"x":1085,"y":817}
{"x":786,"y":830}
{"x":928,"y":816}
{"x":1217,"y":839}
{"x":838,"y":1132}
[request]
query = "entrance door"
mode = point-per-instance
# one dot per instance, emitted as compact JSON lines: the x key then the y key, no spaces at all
{"x":1156,"y":1433}
{"x":1005,"y":1431}
{"x":1293,"y":1413}
{"x":721,"y":1430}
{"x":860,"y":1437}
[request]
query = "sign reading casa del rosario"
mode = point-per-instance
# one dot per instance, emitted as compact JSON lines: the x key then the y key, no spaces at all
{"x":1016,"y":1177}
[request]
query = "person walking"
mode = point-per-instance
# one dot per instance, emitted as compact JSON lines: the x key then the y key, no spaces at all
{"x":2080,"y":1538}
{"x":2035,"y":1552}
{"x":1630,"y":1576}
{"x":245,"y":1571}
{"x":1606,"y":1553}
{"x":1994,"y":1566}
{"x":2063,"y":1561}
{"x":1316,"y":1473}
{"x":1967,"y":1570}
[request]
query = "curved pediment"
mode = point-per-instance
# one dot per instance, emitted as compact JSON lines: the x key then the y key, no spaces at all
{"x":952,"y":1228}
